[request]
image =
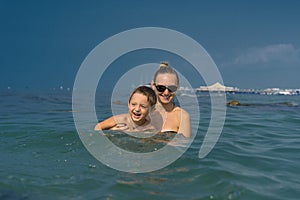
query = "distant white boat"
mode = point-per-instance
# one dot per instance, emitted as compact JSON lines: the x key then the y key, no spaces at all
{"x":284,"y":93}
{"x":217,"y":87}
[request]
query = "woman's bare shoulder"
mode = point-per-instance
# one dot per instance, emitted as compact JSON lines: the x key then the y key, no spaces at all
{"x":181,"y":111}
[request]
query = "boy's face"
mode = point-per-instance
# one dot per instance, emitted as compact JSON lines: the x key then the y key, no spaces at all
{"x":138,"y":108}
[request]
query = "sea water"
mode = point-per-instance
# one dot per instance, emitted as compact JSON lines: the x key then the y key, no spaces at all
{"x":256,"y":157}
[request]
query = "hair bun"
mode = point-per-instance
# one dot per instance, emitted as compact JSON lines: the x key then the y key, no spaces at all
{"x":164,"y":64}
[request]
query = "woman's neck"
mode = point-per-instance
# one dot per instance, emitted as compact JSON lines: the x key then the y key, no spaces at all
{"x":167,"y":107}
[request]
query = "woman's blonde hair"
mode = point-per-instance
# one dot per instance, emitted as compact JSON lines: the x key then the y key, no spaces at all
{"x":165,"y":68}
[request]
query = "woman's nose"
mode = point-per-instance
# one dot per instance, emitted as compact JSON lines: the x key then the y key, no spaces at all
{"x":166,"y":91}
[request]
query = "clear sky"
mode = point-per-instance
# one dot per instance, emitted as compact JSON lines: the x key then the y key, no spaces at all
{"x":255,"y":44}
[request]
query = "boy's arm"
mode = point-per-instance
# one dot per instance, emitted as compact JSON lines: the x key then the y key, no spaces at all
{"x":106,"y":124}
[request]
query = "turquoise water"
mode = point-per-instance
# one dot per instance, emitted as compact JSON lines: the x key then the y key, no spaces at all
{"x":256,"y":157}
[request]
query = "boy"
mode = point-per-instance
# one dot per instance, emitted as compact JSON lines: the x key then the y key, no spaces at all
{"x":140,"y":103}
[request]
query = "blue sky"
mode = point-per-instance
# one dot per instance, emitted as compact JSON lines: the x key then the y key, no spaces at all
{"x":255,"y":44}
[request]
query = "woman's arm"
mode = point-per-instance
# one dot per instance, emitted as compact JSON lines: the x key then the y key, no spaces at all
{"x":185,"y":124}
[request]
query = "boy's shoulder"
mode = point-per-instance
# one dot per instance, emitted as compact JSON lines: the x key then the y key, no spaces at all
{"x":121,"y":117}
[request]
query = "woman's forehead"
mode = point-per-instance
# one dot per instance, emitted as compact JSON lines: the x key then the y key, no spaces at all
{"x":167,"y":79}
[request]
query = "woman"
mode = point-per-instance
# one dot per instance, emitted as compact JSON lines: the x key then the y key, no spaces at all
{"x":165,"y":83}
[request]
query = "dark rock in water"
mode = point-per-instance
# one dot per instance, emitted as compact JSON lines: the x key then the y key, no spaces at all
{"x":234,"y":103}
{"x":280,"y":104}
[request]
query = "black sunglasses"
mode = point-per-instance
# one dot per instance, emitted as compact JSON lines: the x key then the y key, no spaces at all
{"x":162,"y":88}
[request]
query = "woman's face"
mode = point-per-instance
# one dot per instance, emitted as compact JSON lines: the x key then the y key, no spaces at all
{"x":138,"y":108}
{"x":167,"y":80}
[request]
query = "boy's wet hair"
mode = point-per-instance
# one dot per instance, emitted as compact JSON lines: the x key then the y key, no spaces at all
{"x":165,"y":68}
{"x":148,"y":92}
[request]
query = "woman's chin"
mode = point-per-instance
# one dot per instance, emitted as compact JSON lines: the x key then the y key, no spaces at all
{"x":165,"y":101}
